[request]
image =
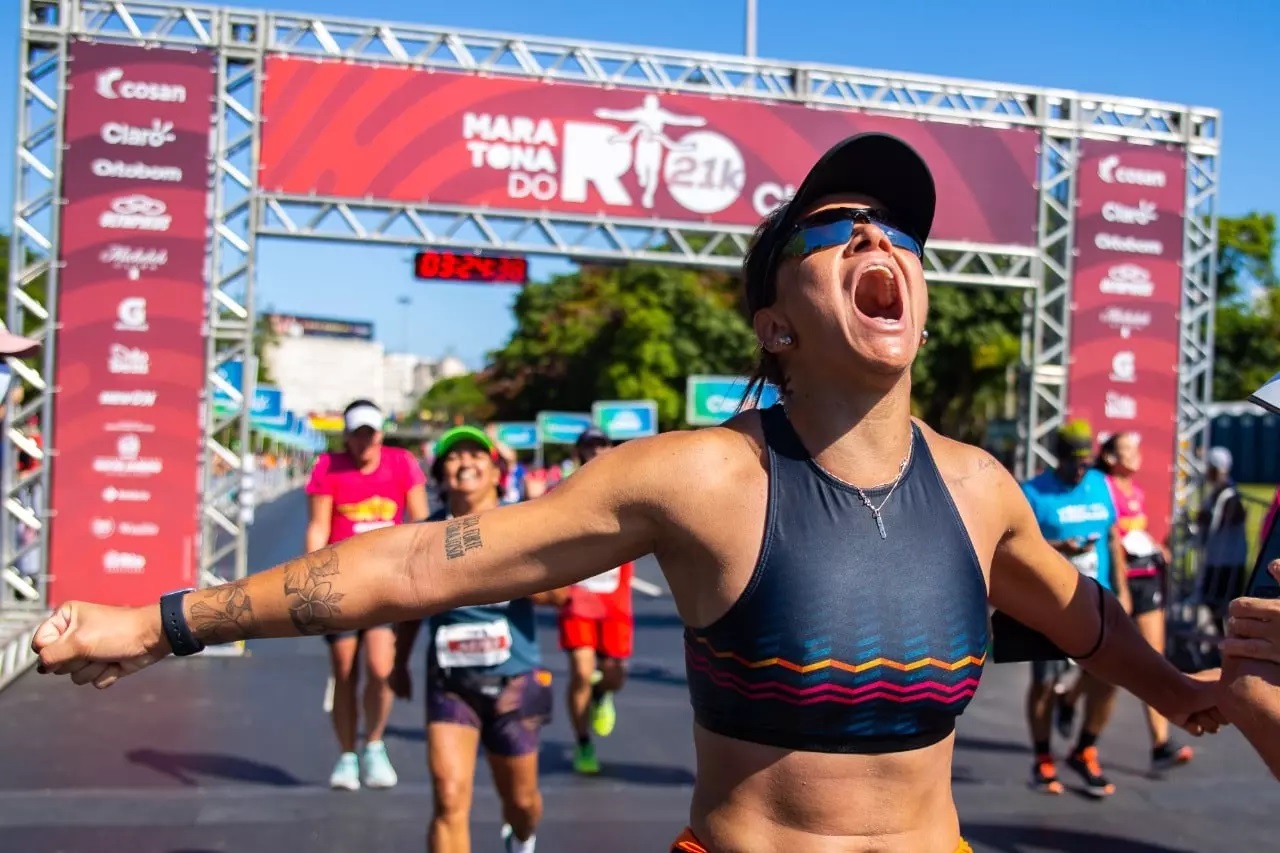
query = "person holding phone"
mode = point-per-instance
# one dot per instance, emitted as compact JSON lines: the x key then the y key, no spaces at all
{"x":1073,"y":507}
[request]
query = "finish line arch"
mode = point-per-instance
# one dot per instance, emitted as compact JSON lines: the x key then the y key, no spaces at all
{"x":1110,"y":203}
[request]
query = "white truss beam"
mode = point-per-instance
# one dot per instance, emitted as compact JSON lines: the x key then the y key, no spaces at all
{"x":588,"y":238}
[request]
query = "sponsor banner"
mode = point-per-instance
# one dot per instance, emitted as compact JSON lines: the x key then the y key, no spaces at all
{"x":292,"y":326}
{"x":561,"y":427}
{"x":518,"y":435}
{"x":1126,"y":301}
{"x":131,"y":303}
{"x":711,"y":400}
{"x":622,"y":420}
{"x":360,"y":131}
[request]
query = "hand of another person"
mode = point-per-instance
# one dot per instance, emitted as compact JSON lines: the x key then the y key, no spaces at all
{"x":1253,"y":629}
{"x":99,"y":645}
{"x":1201,"y":714}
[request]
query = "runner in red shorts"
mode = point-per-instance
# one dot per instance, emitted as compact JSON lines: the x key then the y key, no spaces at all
{"x":596,"y":627}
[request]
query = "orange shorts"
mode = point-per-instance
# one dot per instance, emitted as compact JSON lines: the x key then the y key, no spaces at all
{"x":688,"y":843}
{"x":610,"y":637}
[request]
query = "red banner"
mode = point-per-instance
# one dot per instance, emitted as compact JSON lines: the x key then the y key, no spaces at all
{"x":131,"y":312}
{"x":1126,"y":301}
{"x":398,"y":134}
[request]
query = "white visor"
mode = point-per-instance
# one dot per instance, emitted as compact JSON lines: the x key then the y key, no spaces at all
{"x":363,"y":416}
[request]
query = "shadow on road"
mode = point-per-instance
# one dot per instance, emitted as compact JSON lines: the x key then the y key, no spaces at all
{"x":981,"y":744}
{"x":1024,"y":839}
{"x":656,"y":674}
{"x":184,"y":766}
{"x":555,"y":758}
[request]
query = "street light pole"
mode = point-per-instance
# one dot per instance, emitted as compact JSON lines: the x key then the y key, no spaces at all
{"x":751,"y":29}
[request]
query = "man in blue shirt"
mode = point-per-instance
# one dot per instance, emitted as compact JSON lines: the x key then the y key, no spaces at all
{"x":1073,"y":507}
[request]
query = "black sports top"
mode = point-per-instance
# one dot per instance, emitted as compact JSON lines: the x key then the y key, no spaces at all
{"x":844,"y":641}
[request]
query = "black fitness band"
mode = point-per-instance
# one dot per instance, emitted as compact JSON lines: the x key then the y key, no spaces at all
{"x":176,"y":629}
{"x":1102,"y":622}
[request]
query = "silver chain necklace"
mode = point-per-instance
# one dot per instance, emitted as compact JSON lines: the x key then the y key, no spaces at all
{"x":875,"y":510}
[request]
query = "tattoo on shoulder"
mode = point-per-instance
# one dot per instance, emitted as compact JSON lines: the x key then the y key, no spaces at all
{"x":308,"y":587}
{"x":225,"y":615}
{"x":985,"y":463}
{"x":461,"y":537}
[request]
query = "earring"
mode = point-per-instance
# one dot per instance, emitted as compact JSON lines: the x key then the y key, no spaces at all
{"x":784,"y":340}
{"x":924,"y":337}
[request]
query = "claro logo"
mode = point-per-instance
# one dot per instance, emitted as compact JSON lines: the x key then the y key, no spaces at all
{"x":1112,"y":172}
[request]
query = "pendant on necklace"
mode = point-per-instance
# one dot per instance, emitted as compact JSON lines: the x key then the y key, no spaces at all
{"x":880,"y":524}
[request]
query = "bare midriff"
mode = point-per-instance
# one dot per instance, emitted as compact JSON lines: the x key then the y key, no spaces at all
{"x":761,"y":799}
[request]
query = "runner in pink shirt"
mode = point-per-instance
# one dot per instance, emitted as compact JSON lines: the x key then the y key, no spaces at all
{"x":361,"y":488}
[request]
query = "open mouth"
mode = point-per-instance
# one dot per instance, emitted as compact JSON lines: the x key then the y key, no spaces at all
{"x":466,"y":476}
{"x":876,"y":294}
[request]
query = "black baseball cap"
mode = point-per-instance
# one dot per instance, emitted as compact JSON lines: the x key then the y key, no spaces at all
{"x":875,"y":164}
{"x":592,"y":435}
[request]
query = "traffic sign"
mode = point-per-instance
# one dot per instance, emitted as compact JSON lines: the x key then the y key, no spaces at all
{"x":626,"y":419}
{"x":711,"y":400}
{"x":561,"y":427}
{"x":518,"y":436}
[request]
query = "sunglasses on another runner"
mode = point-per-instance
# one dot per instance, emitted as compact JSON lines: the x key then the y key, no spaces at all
{"x":827,"y":229}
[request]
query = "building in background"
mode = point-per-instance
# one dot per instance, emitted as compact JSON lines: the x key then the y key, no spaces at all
{"x":320,"y":364}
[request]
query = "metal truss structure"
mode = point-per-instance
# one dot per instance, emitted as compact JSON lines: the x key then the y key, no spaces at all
{"x":242,"y":39}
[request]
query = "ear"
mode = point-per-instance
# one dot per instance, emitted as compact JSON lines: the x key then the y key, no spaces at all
{"x":772,"y":330}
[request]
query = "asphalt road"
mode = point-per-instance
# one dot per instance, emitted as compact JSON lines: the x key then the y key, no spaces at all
{"x":222,"y":754}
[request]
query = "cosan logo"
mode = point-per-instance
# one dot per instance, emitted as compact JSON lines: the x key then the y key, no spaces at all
{"x":1111,"y":171}
{"x":112,"y":85}
{"x":111,"y":495}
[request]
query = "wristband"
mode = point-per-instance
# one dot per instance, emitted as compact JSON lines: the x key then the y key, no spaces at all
{"x":176,"y":629}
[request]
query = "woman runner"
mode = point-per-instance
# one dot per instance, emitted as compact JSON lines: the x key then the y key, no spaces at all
{"x":832,"y":558}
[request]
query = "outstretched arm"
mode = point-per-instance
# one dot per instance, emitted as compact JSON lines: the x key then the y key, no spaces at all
{"x":1039,"y":587}
{"x":605,"y":515}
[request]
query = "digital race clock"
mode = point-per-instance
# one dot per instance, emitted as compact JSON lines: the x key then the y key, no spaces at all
{"x":458,"y":266}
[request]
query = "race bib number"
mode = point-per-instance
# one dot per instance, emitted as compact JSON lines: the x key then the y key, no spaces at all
{"x":605,"y":583}
{"x":1087,"y":563}
{"x":473,"y":644}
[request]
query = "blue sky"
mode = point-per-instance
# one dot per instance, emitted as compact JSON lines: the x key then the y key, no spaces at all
{"x":1214,"y":54}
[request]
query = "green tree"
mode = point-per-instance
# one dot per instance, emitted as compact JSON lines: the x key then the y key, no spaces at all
{"x":630,"y":331}
{"x":960,"y":380}
{"x":1247,"y":315}
{"x":37,"y":289}
{"x":458,"y":397}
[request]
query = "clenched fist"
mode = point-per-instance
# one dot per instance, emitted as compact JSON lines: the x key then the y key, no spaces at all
{"x":96,"y":644}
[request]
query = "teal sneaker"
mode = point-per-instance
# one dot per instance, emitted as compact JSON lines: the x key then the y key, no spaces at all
{"x":378,"y":772}
{"x":346,"y":773}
